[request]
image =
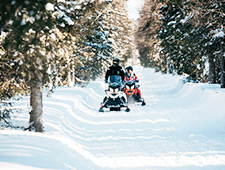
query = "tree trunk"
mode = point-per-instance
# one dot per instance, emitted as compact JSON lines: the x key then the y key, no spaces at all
{"x":70,"y":79}
{"x":70,"y":74}
{"x":222,"y":63}
{"x":36,"y":120}
{"x":212,"y":78}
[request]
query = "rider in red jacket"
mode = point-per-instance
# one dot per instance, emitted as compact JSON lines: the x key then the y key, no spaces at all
{"x":129,"y":75}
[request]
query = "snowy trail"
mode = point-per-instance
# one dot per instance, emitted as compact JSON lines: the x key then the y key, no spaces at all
{"x":181,"y":127}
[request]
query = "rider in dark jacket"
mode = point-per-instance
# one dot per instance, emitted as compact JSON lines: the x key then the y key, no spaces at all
{"x":115,"y":69}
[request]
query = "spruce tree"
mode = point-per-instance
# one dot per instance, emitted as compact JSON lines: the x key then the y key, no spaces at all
{"x":191,"y":35}
{"x":55,"y":43}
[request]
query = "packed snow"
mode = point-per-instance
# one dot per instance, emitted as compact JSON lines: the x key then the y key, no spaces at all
{"x":181,"y":127}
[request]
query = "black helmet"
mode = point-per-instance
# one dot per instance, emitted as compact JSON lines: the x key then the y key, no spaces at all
{"x":116,"y":61}
{"x":129,"y":68}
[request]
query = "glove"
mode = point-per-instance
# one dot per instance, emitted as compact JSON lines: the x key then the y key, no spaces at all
{"x":136,"y":81}
{"x":106,"y":81}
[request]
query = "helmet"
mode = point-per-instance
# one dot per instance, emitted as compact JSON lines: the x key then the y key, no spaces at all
{"x":116,"y":61}
{"x":129,"y":68}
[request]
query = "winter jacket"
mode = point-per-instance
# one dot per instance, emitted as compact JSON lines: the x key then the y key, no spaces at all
{"x":114,"y":70}
{"x":133,"y":77}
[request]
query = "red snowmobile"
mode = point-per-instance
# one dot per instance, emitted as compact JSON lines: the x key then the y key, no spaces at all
{"x":133,"y":93}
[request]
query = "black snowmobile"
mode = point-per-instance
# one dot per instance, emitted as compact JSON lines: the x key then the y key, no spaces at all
{"x":114,"y":98}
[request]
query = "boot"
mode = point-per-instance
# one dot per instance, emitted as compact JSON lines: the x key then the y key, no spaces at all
{"x":143,"y":103}
{"x":127,"y":109}
{"x":101,"y":109}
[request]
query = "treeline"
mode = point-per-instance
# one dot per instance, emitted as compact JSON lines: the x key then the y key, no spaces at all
{"x":184,"y":37}
{"x":50,"y":43}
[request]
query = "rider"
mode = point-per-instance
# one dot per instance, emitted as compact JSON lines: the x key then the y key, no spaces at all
{"x":115,"y":69}
{"x":130,"y":76}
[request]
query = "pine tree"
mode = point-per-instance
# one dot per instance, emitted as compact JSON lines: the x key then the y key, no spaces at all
{"x":121,"y":30}
{"x":55,"y":43}
{"x":191,"y":34}
{"x":146,"y":35}
{"x":26,"y":23}
{"x":210,"y":16}
{"x":178,"y":41}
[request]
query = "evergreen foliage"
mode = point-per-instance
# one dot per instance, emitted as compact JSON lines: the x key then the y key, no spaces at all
{"x":190,"y":38}
{"x":146,"y":36}
{"x":57,"y":42}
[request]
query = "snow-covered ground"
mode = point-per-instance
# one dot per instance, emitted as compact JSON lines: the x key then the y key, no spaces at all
{"x":182,"y":127}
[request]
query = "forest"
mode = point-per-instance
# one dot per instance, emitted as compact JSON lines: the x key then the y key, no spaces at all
{"x":184,"y":37}
{"x":57,"y":43}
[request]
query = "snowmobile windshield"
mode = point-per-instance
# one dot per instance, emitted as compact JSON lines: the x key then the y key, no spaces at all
{"x":130,"y":82}
{"x":115,"y":79}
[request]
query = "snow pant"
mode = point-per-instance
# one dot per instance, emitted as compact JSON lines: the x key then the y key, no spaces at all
{"x":138,"y":92}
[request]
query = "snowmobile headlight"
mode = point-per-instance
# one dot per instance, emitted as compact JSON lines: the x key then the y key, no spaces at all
{"x":116,"y":90}
{"x":127,"y":87}
{"x":111,"y":89}
{"x":132,"y":87}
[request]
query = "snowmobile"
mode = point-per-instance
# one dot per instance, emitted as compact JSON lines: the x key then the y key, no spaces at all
{"x":114,"y":98}
{"x":131,"y":91}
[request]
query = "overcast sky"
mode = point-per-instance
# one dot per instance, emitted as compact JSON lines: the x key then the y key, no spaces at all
{"x":133,"y":7}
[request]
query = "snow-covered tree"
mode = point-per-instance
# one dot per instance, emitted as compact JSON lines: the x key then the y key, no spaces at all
{"x":100,"y":31}
{"x":94,"y":42}
{"x":146,"y":35}
{"x":121,"y":30}
{"x":56,"y":43}
{"x":27,"y":23}
{"x":191,"y":35}
{"x":178,"y":42}
{"x":210,"y":21}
